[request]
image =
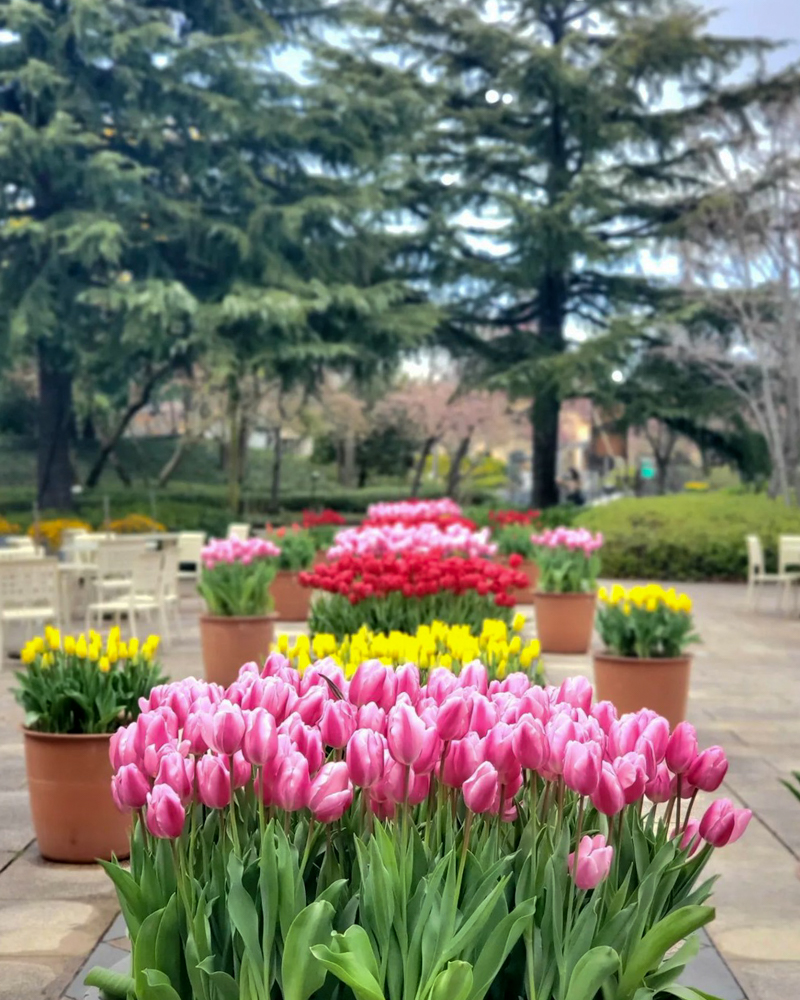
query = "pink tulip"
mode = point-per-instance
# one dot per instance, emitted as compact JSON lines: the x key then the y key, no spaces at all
{"x":593,"y":863}
{"x":373,"y":682}
{"x":407,"y":677}
{"x":177,"y":772}
{"x":225,"y":729}
{"x":372,"y":717}
{"x":132,"y":787}
{"x":576,"y":691}
{"x":405,"y":733}
{"x":632,"y":775}
{"x":529,"y":743}
{"x":165,"y":813}
{"x":484,"y":715}
{"x":441,"y":683}
{"x":260,"y":742}
{"x":656,"y":733}
{"x":293,"y":785}
{"x":122,"y":747}
{"x":463,"y":757}
{"x":481,"y":789}
{"x":311,"y":705}
{"x":658,"y":788}
{"x":309,"y":742}
{"x":279,"y":698}
{"x":681,"y":748}
{"x":606,"y":714}
{"x":331,"y":792}
{"x":708,"y":769}
{"x":582,"y":763}
{"x":365,"y":752}
{"x":560,"y":730}
{"x":418,"y":788}
{"x":690,"y":837}
{"x":608,"y":798}
{"x":535,"y":703}
{"x":337,"y":724}
{"x":452,"y":721}
{"x":193,"y":732}
{"x":723,"y":823}
{"x":498,"y":749}
{"x":431,"y":752}
{"x":213,"y":781}
{"x":242,"y":770}
{"x":474,"y":675}
{"x":622,"y":736}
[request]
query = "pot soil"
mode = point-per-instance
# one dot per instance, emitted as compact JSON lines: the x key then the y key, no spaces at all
{"x":228,"y":642}
{"x":631,"y":683}
{"x":564,"y":622}
{"x":292,"y":601}
{"x":69,"y":784}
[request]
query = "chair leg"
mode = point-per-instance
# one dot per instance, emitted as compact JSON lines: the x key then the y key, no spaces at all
{"x":2,"y":645}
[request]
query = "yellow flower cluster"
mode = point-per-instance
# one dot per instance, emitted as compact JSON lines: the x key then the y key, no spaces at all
{"x":650,"y":598}
{"x":135,"y":524}
{"x":51,"y":532}
{"x":696,"y":486}
{"x":8,"y":527}
{"x":435,"y":645}
{"x":52,"y":647}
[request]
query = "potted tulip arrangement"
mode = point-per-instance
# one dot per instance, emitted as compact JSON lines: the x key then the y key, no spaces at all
{"x":401,"y":592}
{"x":323,"y":525}
{"x":644,"y":663}
{"x":442,"y":513}
{"x":454,"y":647}
{"x":235,"y":582}
{"x":310,"y":838}
{"x":77,"y":692}
{"x":297,"y":552}
{"x":568,"y":564}
{"x":514,"y":544}
{"x":395,"y":539}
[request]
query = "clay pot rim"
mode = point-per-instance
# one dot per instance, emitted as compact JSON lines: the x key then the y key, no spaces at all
{"x":644,"y":661}
{"x":38,"y":734}
{"x":572,"y":594}
{"x":271,"y":617}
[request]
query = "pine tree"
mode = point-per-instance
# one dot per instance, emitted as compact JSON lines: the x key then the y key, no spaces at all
{"x":163,"y":190}
{"x":569,"y":135}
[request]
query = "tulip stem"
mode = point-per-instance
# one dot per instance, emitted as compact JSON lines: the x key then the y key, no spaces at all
{"x":678,"y":807}
{"x":689,"y":810}
{"x":234,"y":826}
{"x":464,"y":849}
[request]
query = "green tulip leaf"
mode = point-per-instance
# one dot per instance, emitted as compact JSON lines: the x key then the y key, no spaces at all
{"x":351,"y":959}
{"x":453,"y":983}
{"x":302,"y":975}
{"x":591,"y":971}
{"x":649,"y":952}
{"x":112,"y":984}
{"x":157,"y":986}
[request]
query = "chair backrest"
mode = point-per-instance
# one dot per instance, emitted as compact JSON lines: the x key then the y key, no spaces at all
{"x":788,"y":553}
{"x":148,"y":572}
{"x":755,"y":557}
{"x":115,"y":558}
{"x":190,"y":545}
{"x":240,"y":531}
{"x":20,"y":542}
{"x":29,"y":583}
{"x":170,"y":565}
{"x":15,"y":555}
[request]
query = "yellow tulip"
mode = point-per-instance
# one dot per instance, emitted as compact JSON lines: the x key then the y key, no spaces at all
{"x":518,"y":622}
{"x":123,"y":651}
{"x":38,"y":644}
{"x":104,"y":665}
{"x":28,"y":654}
{"x":94,"y":652}
{"x":112,"y":652}
{"x":133,"y":647}
{"x":515,"y":645}
{"x":283,"y":644}
{"x":69,"y":644}
{"x":81,"y":648}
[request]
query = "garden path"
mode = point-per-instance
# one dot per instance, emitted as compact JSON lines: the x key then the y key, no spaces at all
{"x":57,"y":920}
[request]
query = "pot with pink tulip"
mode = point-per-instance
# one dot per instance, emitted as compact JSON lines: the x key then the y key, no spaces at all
{"x":235,"y":583}
{"x":569,"y":563}
{"x":305,"y":837}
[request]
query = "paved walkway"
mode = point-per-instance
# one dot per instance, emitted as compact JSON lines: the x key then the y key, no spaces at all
{"x":745,"y":696}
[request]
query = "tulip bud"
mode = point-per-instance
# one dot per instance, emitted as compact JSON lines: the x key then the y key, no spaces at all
{"x":681,"y":748}
{"x":122,"y":747}
{"x":606,"y":714}
{"x":441,"y":683}
{"x":499,"y":750}
{"x":407,"y":677}
{"x":431,"y":752}
{"x":213,"y":781}
{"x":690,"y":837}
{"x":177,"y":771}
{"x":593,"y":862}
{"x":463,"y":757}
{"x":529,"y":743}
{"x":481,"y":789}
{"x":405,"y":733}
{"x":225,"y":729}
{"x":484,"y":715}
{"x":331,"y":792}
{"x":608,"y":798}
{"x":338,"y":723}
{"x":708,"y":769}
{"x":723,"y":823}
{"x":311,"y":705}
{"x":474,"y":675}
{"x":582,"y":763}
{"x":373,"y":682}
{"x":165,"y":813}
{"x":242,"y":770}
{"x":658,"y":788}
{"x":131,"y":786}
{"x":260,"y":742}
{"x":372,"y":717}
{"x":293,"y":784}
{"x":576,"y":691}
{"x":452,"y":720}
{"x":365,"y":751}
{"x":632,"y":775}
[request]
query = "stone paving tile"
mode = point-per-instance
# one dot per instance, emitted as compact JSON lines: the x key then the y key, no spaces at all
{"x":709,"y":972}
{"x":104,"y":955}
{"x":31,"y":875}
{"x":768,"y":980}
{"x":16,"y":831}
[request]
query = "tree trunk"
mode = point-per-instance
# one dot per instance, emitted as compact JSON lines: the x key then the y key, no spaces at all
{"x":419,"y":471}
{"x":234,"y":454}
{"x":169,"y":468}
{"x":277,"y":461}
{"x":54,"y":474}
{"x":544,"y":418}
{"x":454,"y":475}
{"x":349,"y":459}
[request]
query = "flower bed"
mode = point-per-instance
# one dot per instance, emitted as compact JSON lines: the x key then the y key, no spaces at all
{"x":237,"y":574}
{"x":440,"y":841}
{"x":403,"y":592}
{"x":414,"y":512}
{"x":454,"y":647}
{"x":645,"y":621}
{"x":135,"y":524}
{"x":395,"y":539}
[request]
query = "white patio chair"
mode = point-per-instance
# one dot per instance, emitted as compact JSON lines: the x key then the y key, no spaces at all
{"x":114,"y":560}
{"x":190,"y":545}
{"x":170,"y":592}
{"x":143,"y":596}
{"x":757,"y":575}
{"x":239,"y":530}
{"x":21,"y":543}
{"x":789,"y":564}
{"x":28,"y":594}
{"x":22,"y":552}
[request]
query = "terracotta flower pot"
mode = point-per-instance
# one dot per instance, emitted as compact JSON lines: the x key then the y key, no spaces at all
{"x":230,"y":642}
{"x":69,"y":784}
{"x":564,"y":621}
{"x":632,"y":683}
{"x":525,"y":595}
{"x":292,"y":601}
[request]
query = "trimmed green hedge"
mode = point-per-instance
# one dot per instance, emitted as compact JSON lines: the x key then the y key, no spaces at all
{"x":688,"y":536}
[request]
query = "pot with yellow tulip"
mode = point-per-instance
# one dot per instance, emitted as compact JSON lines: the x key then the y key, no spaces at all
{"x":645,"y":664}
{"x":76,"y":692}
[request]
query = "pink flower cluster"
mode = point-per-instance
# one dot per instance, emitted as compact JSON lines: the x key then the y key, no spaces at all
{"x":417,"y":510}
{"x":570,"y":538}
{"x":233,"y":550}
{"x":394,"y":539}
{"x":391,"y":737}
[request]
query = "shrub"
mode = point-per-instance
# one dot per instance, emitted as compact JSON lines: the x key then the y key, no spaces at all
{"x":688,"y":536}
{"x":135,"y":524}
{"x":8,"y":527}
{"x":51,"y":532}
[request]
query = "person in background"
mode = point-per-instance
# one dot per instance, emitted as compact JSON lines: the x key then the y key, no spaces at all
{"x":573,"y":490}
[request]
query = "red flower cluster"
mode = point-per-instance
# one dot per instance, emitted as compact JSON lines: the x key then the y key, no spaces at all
{"x":322,"y":518}
{"x":410,"y":520}
{"x":501,"y":518}
{"x":414,"y":574}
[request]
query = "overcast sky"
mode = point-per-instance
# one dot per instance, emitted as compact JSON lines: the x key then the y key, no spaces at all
{"x":777,"y":19}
